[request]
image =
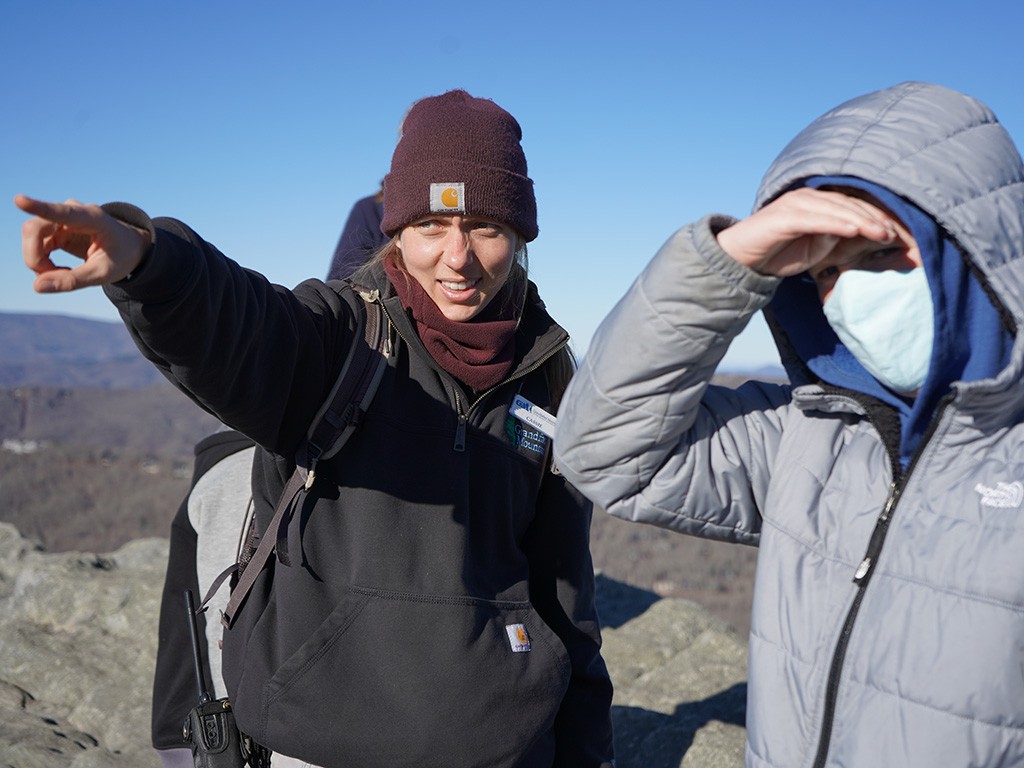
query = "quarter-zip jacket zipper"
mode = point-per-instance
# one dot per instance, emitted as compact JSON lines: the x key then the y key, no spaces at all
{"x":861,"y":579}
{"x":461,"y":414}
{"x":460,"y":432}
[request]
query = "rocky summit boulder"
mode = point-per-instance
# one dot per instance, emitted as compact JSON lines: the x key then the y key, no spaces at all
{"x":77,"y":648}
{"x":78,"y":643}
{"x":680,"y":681}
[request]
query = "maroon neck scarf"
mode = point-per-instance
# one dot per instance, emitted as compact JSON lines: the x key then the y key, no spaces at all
{"x":478,"y":352}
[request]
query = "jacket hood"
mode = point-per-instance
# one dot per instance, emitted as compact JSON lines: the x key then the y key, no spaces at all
{"x":943,"y":164}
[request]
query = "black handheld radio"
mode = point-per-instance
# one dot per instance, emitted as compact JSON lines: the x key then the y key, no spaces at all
{"x":210,"y":728}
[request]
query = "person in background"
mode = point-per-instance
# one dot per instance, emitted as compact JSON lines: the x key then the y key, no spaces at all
{"x":360,"y":236}
{"x":432,"y":601}
{"x":884,"y":485}
{"x":203,"y":542}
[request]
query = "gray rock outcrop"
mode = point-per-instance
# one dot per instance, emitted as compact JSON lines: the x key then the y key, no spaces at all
{"x":78,"y":643}
{"x":77,"y":648}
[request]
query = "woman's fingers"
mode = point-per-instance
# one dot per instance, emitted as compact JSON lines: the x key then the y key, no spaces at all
{"x":61,"y":279}
{"x":54,"y":227}
{"x":109,"y":249}
{"x":69,"y":213}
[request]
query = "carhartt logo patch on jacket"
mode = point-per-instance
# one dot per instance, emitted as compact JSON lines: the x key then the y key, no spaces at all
{"x":517,"y":638}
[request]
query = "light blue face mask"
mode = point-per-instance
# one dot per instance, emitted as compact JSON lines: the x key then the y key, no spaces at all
{"x":887,"y":321}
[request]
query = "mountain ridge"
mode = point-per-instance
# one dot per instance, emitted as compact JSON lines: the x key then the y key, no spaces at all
{"x":68,"y":351}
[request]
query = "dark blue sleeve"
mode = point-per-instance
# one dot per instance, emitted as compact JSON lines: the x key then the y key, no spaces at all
{"x":360,"y":237}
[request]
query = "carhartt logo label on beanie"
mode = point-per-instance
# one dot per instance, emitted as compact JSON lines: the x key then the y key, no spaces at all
{"x":448,"y":197}
{"x":457,"y":136}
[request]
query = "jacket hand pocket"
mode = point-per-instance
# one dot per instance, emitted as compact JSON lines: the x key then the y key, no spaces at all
{"x":470,"y":681}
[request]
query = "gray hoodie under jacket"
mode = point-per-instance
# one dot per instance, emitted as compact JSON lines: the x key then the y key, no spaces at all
{"x":888,"y":618}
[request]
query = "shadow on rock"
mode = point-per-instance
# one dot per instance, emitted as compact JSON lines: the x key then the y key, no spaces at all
{"x":618,"y":603}
{"x":699,"y":733}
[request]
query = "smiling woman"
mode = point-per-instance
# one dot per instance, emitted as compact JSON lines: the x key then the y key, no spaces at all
{"x":440,"y":573}
{"x":460,"y":262}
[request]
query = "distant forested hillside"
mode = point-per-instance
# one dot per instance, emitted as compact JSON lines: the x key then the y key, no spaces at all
{"x":62,"y":351}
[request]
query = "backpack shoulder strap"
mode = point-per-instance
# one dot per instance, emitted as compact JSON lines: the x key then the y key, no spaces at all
{"x":334,"y":423}
{"x":350,"y":397}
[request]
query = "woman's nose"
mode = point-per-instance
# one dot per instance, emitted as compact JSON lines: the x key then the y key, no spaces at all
{"x":457,"y":252}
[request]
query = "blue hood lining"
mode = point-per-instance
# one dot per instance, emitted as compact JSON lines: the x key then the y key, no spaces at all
{"x":971,"y":341}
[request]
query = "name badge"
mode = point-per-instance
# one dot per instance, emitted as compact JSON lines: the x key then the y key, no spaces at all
{"x":533,"y":415}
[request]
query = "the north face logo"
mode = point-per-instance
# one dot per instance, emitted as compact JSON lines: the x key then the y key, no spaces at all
{"x":1004,"y":495}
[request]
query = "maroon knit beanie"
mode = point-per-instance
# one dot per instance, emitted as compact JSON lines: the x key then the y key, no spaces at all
{"x":459,"y":154}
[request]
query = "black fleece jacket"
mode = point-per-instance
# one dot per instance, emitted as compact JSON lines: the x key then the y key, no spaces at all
{"x":439,"y":606}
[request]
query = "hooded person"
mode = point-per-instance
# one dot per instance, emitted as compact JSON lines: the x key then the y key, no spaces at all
{"x":883,"y":485}
{"x":432,"y":602}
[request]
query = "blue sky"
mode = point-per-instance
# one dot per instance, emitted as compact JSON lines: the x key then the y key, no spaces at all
{"x":260,"y":123}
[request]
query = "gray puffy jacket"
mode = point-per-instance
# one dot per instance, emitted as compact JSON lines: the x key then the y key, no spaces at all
{"x":888,"y":619}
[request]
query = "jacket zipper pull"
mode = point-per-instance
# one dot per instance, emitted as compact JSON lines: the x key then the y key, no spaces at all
{"x":460,"y":433}
{"x":862,"y":570}
{"x":867,"y":565}
{"x":460,"y":430}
